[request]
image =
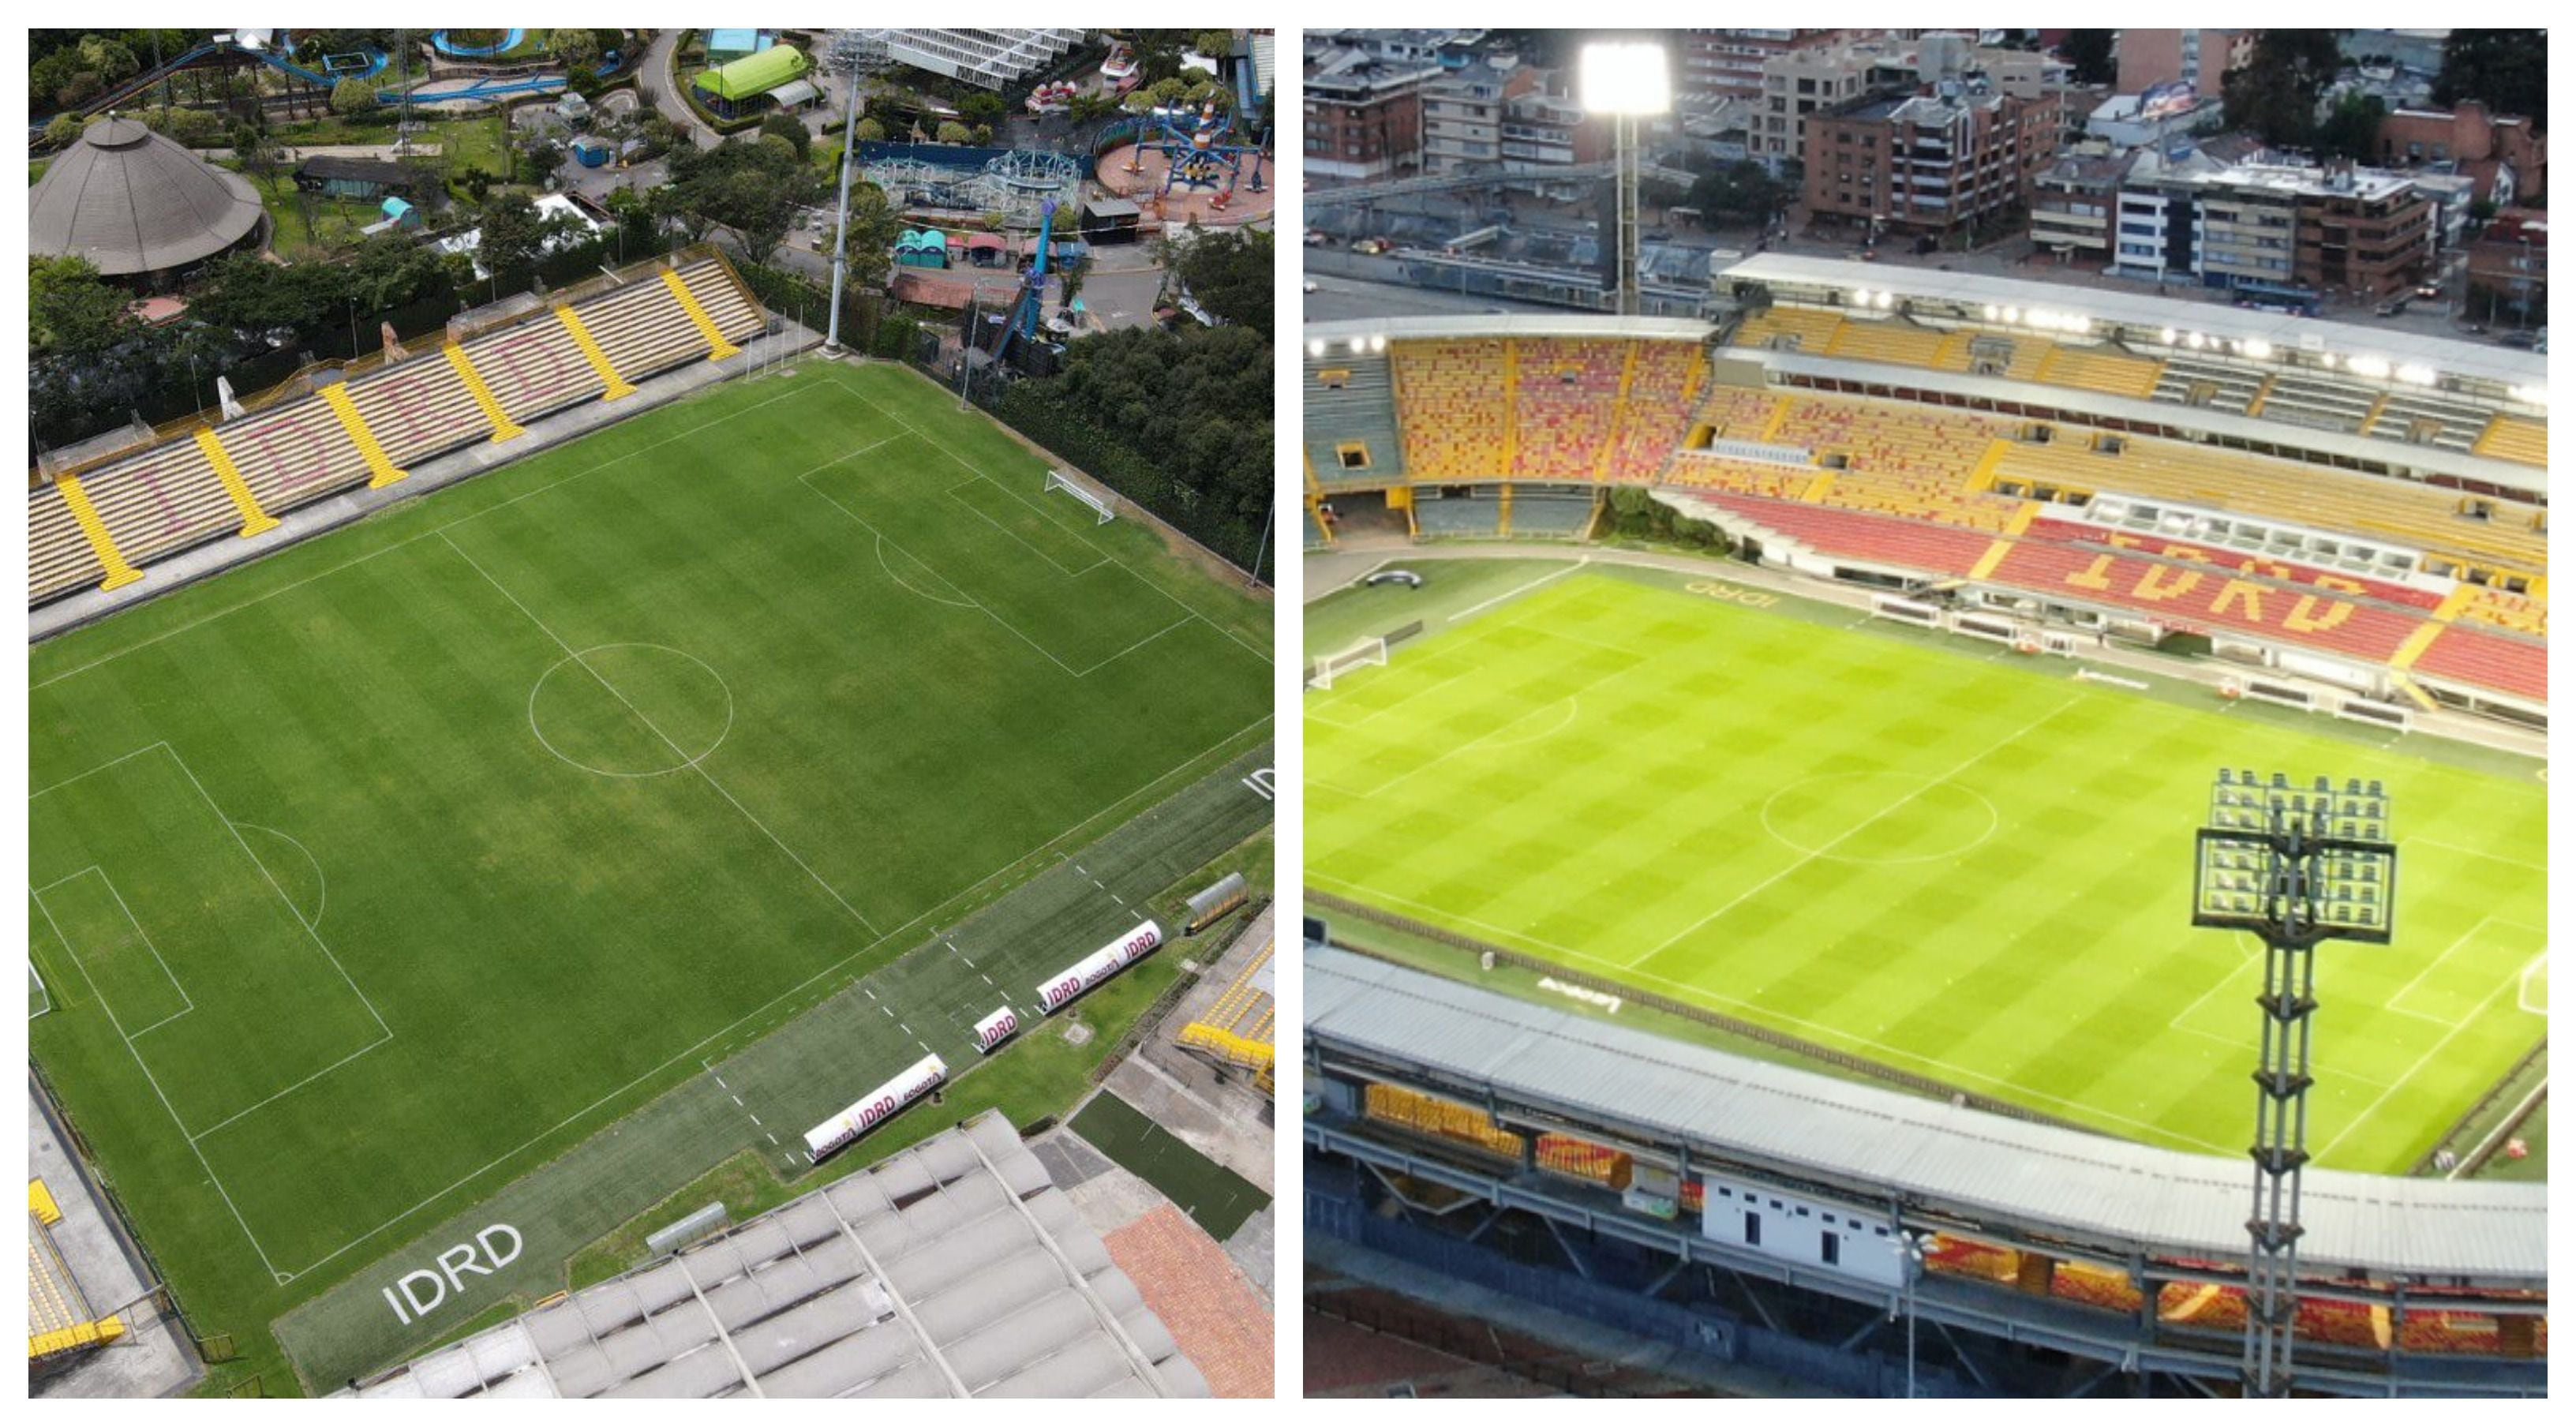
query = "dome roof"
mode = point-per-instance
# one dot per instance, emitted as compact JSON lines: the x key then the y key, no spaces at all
{"x":132,"y":201}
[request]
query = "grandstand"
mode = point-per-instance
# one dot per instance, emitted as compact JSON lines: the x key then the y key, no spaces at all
{"x":955,"y":1269}
{"x":60,"y":1322}
{"x":1756,"y":1213}
{"x":104,"y":523}
{"x":2258,"y":481}
{"x":1239,"y":1028}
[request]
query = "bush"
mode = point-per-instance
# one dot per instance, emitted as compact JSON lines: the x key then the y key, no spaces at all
{"x":793,"y":132}
{"x":352,"y":96}
{"x":952,"y":132}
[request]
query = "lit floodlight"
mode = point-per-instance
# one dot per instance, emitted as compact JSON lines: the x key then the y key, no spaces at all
{"x":2297,"y":864}
{"x":1377,"y":342}
{"x":2169,"y":336}
{"x":2012,"y":314}
{"x":2415,"y":374}
{"x":2368,"y":366}
{"x":1315,"y":349}
{"x":1622,"y":77}
{"x":1885,"y":300}
{"x":1860,"y":297}
{"x":2258,"y":349}
{"x":2198,"y":342}
{"x":1990,"y":312}
{"x":2531,"y":395}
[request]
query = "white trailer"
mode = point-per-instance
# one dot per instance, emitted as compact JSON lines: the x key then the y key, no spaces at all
{"x":1059,"y":990}
{"x":995,"y":1029}
{"x":875,"y":1108}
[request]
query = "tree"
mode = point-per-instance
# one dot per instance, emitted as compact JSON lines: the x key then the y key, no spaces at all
{"x":575,"y":47}
{"x":871,"y":132}
{"x":785,"y":127}
{"x":952,"y":132}
{"x":2274,"y":95}
{"x":1214,"y":44}
{"x":870,"y":235}
{"x":755,"y":189}
{"x":982,"y":107}
{"x":2093,"y":54}
{"x":72,"y":311}
{"x":513,"y":238}
{"x":352,"y":96}
{"x":63,"y":130}
{"x":1231,"y":273}
{"x":2507,"y":70}
{"x":2351,"y":130}
{"x":1741,"y":193}
{"x":543,"y":156}
{"x":258,"y":154}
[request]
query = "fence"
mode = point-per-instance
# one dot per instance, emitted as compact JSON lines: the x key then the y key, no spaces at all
{"x":1923,"y":1085}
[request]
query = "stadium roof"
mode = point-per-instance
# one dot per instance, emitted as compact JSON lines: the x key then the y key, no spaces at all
{"x":954,"y":1269}
{"x":132,"y":201}
{"x":2081,"y":1187}
{"x":1516,"y":324}
{"x":754,"y":74}
{"x":2144,"y":309}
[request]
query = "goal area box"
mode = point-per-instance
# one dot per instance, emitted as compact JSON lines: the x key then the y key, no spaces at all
{"x":1097,"y":500}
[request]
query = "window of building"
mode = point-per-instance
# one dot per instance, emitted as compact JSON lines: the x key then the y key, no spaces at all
{"x":1833,"y":1248}
{"x":1334,"y":378}
{"x":1354,"y":455}
{"x":1752,"y":1229}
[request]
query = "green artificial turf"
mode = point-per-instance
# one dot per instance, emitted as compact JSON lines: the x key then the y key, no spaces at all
{"x":376,"y":872}
{"x":1217,"y":1197}
{"x":1971,"y":868}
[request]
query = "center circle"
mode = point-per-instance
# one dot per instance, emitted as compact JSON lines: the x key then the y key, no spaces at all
{"x":631,"y":710}
{"x":1884,"y":818}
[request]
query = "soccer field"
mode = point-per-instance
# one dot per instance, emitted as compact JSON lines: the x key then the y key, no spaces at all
{"x":1971,"y":868}
{"x":369,"y":875}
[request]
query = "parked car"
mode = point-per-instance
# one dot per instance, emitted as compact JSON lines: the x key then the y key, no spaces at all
{"x":2430,"y":292}
{"x":1371,"y":247}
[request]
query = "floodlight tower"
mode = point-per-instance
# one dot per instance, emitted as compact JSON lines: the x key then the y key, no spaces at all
{"x":2297,"y":867}
{"x":1626,"y":81}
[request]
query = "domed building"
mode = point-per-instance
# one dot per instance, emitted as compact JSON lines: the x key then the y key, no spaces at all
{"x":138,"y":205}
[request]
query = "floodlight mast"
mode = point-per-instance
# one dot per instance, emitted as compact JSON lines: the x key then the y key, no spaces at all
{"x":1624,"y":82}
{"x":2297,"y":867}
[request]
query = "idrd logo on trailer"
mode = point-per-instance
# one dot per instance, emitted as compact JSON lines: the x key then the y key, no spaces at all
{"x":424,"y":1289}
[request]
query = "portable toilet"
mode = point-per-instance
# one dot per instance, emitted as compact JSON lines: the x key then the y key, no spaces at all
{"x":591,"y":151}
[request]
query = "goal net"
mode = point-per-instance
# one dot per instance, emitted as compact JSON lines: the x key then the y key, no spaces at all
{"x":1059,"y":481}
{"x":1358,"y":656}
{"x":39,"y":1000}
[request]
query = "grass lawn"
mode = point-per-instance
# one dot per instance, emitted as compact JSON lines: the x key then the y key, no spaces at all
{"x":377,"y":872}
{"x":1973,"y":868}
{"x":1217,"y":1197}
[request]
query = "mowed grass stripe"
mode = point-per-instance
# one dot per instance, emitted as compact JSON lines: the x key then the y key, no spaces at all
{"x":540,"y":935}
{"x":1968,"y":867}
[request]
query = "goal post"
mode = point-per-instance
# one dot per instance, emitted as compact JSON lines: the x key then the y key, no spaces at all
{"x":39,"y":1000}
{"x":1099,"y":503}
{"x":1358,"y":656}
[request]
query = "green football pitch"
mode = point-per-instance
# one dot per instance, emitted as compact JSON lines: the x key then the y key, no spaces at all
{"x":1965,"y":867}
{"x":371,"y":874}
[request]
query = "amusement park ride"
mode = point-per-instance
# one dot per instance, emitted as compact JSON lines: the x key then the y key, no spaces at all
{"x":1199,"y":157}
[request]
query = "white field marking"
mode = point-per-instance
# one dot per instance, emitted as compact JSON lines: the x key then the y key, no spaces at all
{"x":2522,"y":987}
{"x":186,"y":1002}
{"x":1822,"y":1033}
{"x":1313,"y":714}
{"x":2420,"y":1061}
{"x":989,"y":612}
{"x":408,"y":541}
{"x":843,"y":380}
{"x":287,"y":901}
{"x":978,"y":480}
{"x":548,"y":744}
{"x":2474,"y":852}
{"x":1994,"y":821}
{"x":321,"y":884}
{"x":2427,"y":969}
{"x":1483,"y":740}
{"x":101,"y":768}
{"x":2245,"y":1048}
{"x":888,"y":567}
{"x":1471,"y":611}
{"x":1741,"y":897}
{"x":755,"y":1012}
{"x":828,"y":889}
{"x":377,"y":1044}
{"x":172,"y":1110}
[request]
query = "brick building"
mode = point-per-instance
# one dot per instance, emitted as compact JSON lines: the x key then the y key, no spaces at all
{"x":1364,"y":115}
{"x":2508,"y":158}
{"x":2197,"y":58}
{"x":2509,"y":269}
{"x":1727,"y":64}
{"x":1928,"y":164}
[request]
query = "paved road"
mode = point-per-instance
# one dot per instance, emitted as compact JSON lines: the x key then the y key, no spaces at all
{"x":655,"y":80}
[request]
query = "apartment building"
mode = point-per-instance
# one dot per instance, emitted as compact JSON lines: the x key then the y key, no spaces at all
{"x":1364,"y":115}
{"x":2197,"y":59}
{"x":2508,"y":158}
{"x":1928,"y":164}
{"x":1727,"y":64}
{"x":2509,"y":269}
{"x":2072,"y":202}
{"x":2271,"y":230}
{"x":1463,"y":113}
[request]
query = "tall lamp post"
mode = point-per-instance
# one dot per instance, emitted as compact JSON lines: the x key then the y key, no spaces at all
{"x":2297,"y":867}
{"x":1625,"y":81}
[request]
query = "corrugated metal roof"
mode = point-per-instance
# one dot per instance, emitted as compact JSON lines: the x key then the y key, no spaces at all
{"x":956,"y":1266}
{"x":2145,"y":309}
{"x":1952,"y":1159}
